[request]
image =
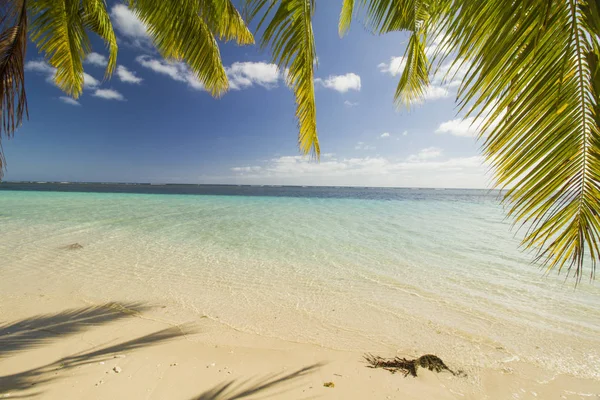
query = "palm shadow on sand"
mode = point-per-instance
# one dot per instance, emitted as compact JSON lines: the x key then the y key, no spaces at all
{"x":45,"y":329}
{"x":233,"y":390}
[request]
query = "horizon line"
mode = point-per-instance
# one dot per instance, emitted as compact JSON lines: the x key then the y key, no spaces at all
{"x":237,"y":185}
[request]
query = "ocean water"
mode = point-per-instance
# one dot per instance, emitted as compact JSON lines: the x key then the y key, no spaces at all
{"x":407,"y":270}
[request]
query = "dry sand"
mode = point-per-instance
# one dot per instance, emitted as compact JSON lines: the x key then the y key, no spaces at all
{"x":53,"y":348}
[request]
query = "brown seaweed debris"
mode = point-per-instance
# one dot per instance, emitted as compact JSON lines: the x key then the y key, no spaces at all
{"x":73,"y":246}
{"x":406,"y":366}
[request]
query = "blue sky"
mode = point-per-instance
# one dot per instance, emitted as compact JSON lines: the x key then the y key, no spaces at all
{"x":153,"y":122}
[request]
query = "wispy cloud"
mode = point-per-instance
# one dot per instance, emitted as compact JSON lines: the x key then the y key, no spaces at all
{"x":69,"y":100}
{"x":427,"y":170}
{"x":428,"y":153}
{"x":96,"y":59}
{"x":241,"y":75}
{"x":433,"y":92}
{"x":247,"y":169}
{"x":350,"y":104}
{"x":459,"y":127}
{"x":466,"y":127}
{"x":363,"y":146}
{"x":108,"y":94}
{"x":341,"y":83}
{"x":177,"y":71}
{"x":127,"y":76}
{"x":89,"y":82}
{"x":384,"y":135}
{"x":42,"y":67}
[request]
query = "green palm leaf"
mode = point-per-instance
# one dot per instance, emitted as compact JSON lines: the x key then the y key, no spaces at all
{"x":290,"y":34}
{"x":13,"y":44}
{"x":180,"y":32}
{"x":97,"y":20}
{"x":225,"y":21}
{"x":415,"y":76}
{"x":59,"y":32}
{"x":346,"y":17}
{"x":384,"y":16}
{"x":534,"y":78}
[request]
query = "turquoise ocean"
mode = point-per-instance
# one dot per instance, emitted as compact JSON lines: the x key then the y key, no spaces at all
{"x":411,"y":271}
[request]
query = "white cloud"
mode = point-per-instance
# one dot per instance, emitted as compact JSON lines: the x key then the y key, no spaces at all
{"x":246,"y":169}
{"x":108,"y":94}
{"x":245,"y":74}
{"x":394,"y":67}
{"x":69,"y":100}
{"x":459,"y":127}
{"x":428,"y":153}
{"x":341,"y":83}
{"x":433,"y":92}
{"x":127,"y":76}
{"x":463,"y":172}
{"x":385,"y":135}
{"x":170,"y":69}
{"x":89,"y":82}
{"x":241,"y":75}
{"x":127,"y":23}
{"x":405,"y":133}
{"x":42,"y":67}
{"x":96,"y":59}
{"x":363,"y":146}
{"x":177,"y":71}
{"x":350,"y":104}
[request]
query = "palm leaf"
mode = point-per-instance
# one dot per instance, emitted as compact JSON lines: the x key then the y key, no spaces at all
{"x":97,"y":20}
{"x":415,"y":76}
{"x":290,"y":35}
{"x":180,"y":32}
{"x":384,"y":16}
{"x":13,"y":44}
{"x":534,"y":78}
{"x":225,"y":21}
{"x":346,"y":17}
{"x":58,"y":30}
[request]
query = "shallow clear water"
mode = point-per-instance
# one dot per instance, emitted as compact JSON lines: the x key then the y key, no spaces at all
{"x":369,"y":269}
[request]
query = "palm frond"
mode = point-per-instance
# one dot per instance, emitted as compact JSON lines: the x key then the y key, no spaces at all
{"x":97,"y":20}
{"x":384,"y":16}
{"x":290,"y":35}
{"x":13,"y":44}
{"x":346,"y":17}
{"x":414,"y":80}
{"x":180,"y":32}
{"x":225,"y":21}
{"x":534,"y":78}
{"x":59,"y":32}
